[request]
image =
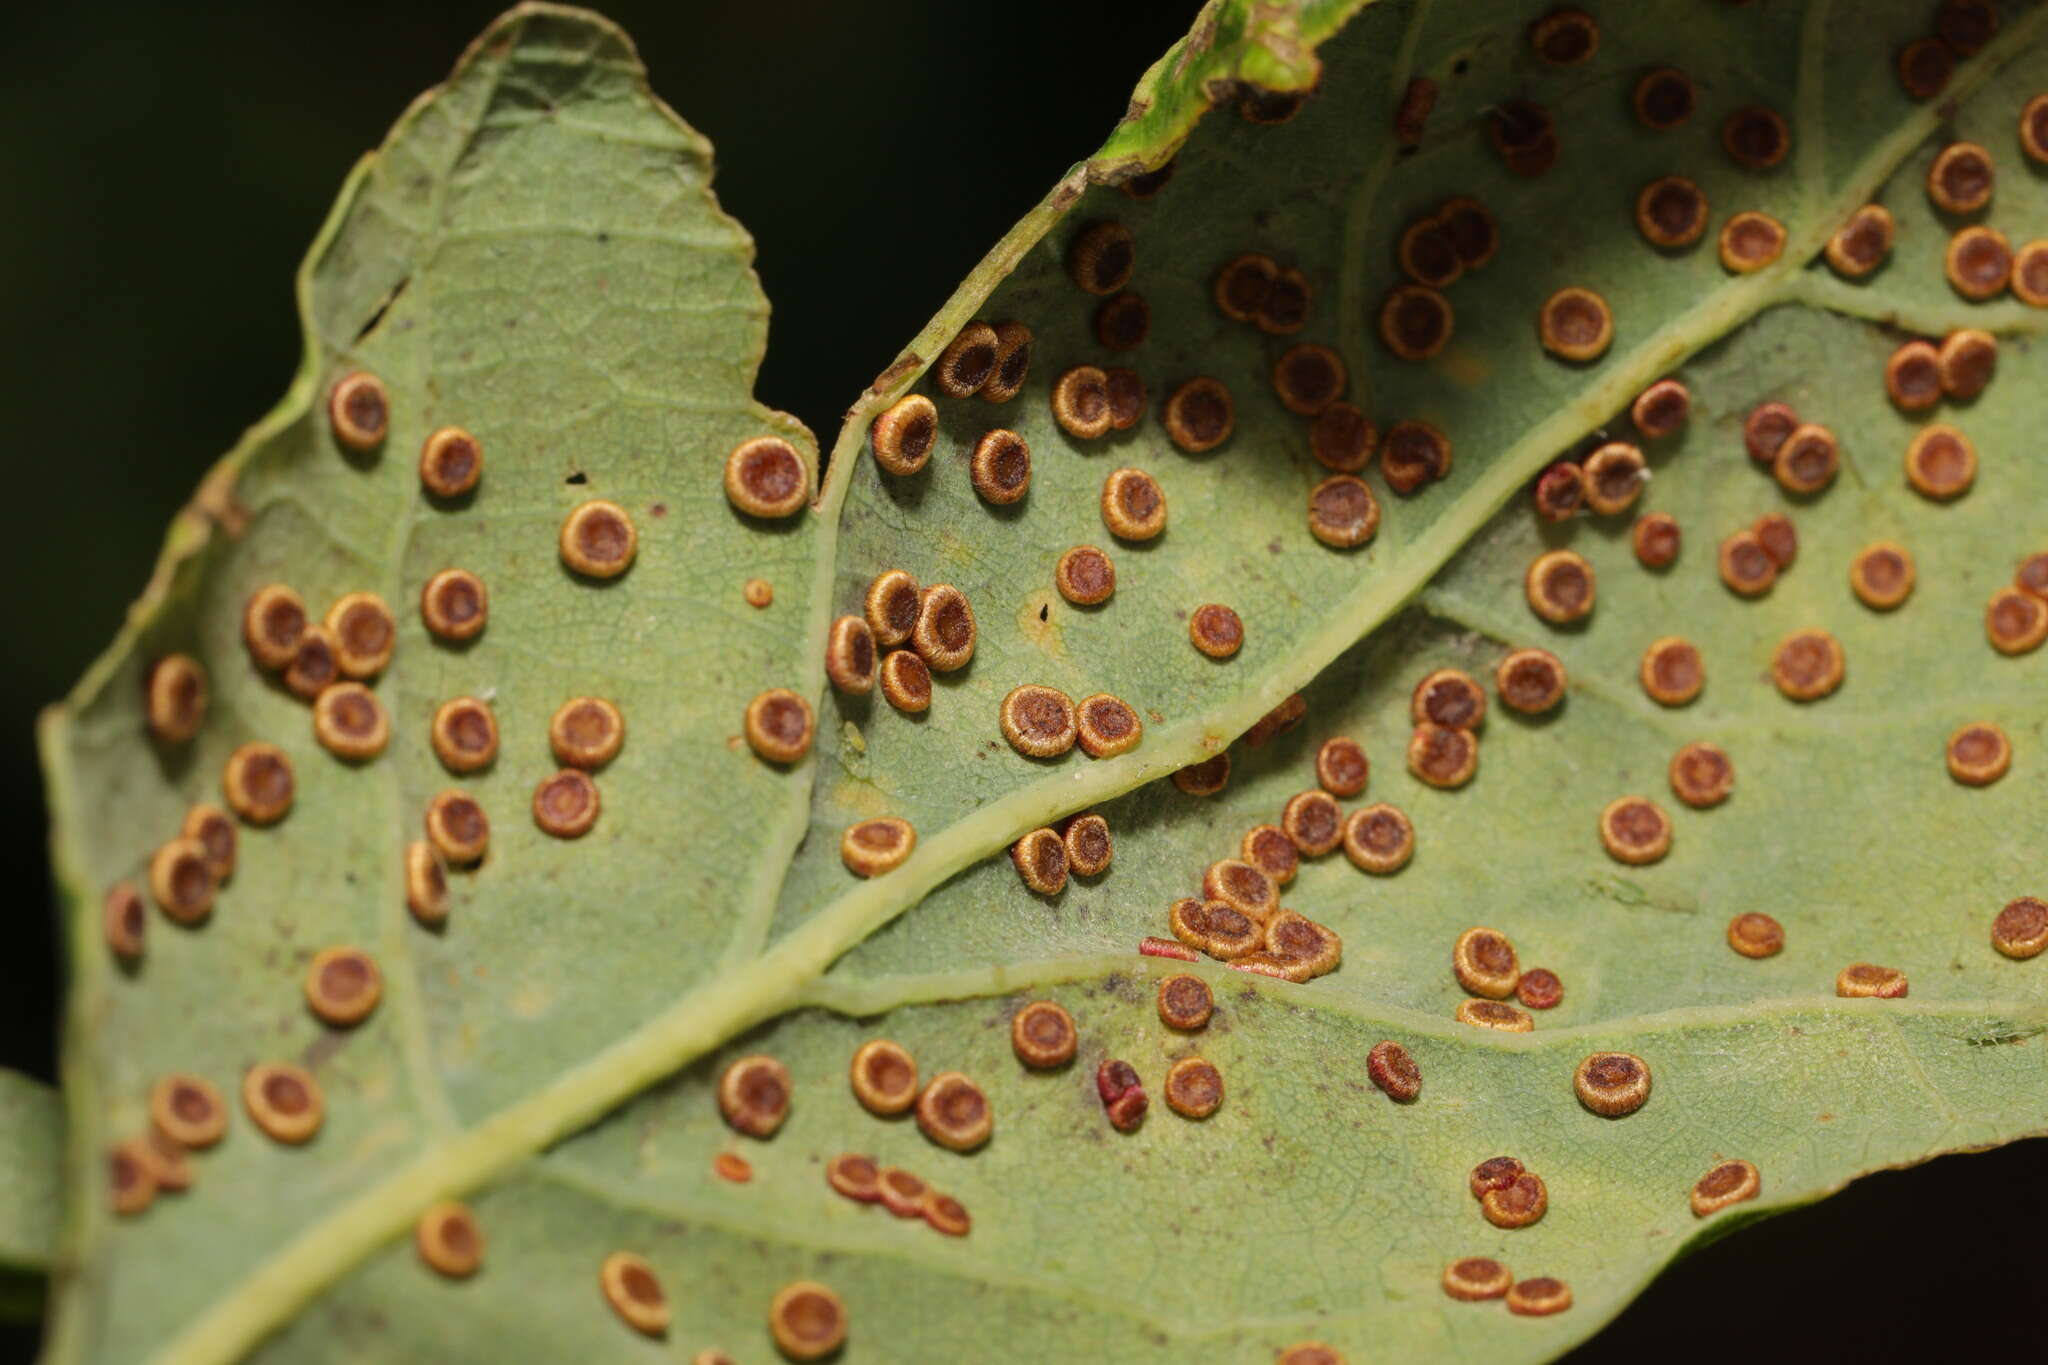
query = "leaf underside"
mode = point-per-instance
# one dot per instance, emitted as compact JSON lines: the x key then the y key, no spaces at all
{"x":535,"y":255}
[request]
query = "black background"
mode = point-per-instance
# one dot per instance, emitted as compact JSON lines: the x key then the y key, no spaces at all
{"x":165,"y":171}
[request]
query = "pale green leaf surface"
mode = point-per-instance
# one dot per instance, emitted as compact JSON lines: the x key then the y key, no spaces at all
{"x":31,"y":1178}
{"x":541,"y":263}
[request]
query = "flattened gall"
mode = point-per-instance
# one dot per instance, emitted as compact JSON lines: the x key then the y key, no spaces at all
{"x":457,"y":827}
{"x":1912,"y":376}
{"x":1729,"y":1182}
{"x":1807,"y":461}
{"x":359,"y":412}
{"x":1615,"y":475}
{"x":1089,"y":849}
{"x":1575,"y":324}
{"x":1307,"y":379}
{"x":272,"y":621}
{"x":426,"y":883}
{"x":1012,"y":363}
{"x":1148,"y":184}
{"x":1106,"y":726}
{"x":1612,"y":1084}
{"x":1663,"y":99}
{"x":2021,"y":929}
{"x":451,"y":462}
{"x":465,"y":734}
{"x":968,"y":362}
{"x":365,"y":634}
{"x":174,"y":699}
{"x":1882,"y":574}
{"x":1126,"y":398}
{"x":1940,"y":462}
{"x":350,"y":722}
{"x":1701,"y":775}
{"x":131,"y":1177}
{"x":1539,"y":1297}
{"x":1040,"y":858}
{"x":449,"y":1241}
{"x":1284,"y":310}
{"x":284,"y":1100}
{"x":945,"y":1214}
{"x":257,"y":781}
{"x":1411,"y":115}
{"x":901,"y":1192}
{"x":1309,"y":1353}
{"x":1672,"y":671}
{"x":1967,"y":362}
{"x":855,"y":1176}
{"x":1216,"y":630}
{"x":1133,"y":505}
{"x":1042,"y":1034}
{"x":1206,"y":778}
{"x":1494,"y":1015}
{"x":1123,"y":1097}
{"x":1185,"y":1002}
{"x":1540,"y":989}
{"x":1671,"y":212}
{"x":454,"y":605}
{"x":1219,"y":930}
{"x":1080,"y":402}
{"x":1808,"y":665}
{"x":1194,"y":1088}
{"x":1494,"y":1173}
{"x":598,"y":539}
{"x":1484,"y":962}
{"x":343,"y":986}
{"x":315,"y":664}
{"x":1342,"y":438}
{"x":2030,"y":274}
{"x":1756,"y":137}
{"x":850,"y":658}
{"x":1635,"y":830}
{"x":871,"y":847}
{"x":1476,"y":1278}
{"x":566,"y":805}
{"x":1394,"y":1071}
{"x":1560,"y":491}
{"x":210,"y":825}
{"x":1342,"y":512}
{"x":1656,"y":539}
{"x":2015,"y":621}
{"x":1199,"y":415}
{"x":1978,"y":754}
{"x":1441,"y":756}
{"x":1525,"y":136}
{"x":1961,"y":178}
{"x":1750,"y":241}
{"x":1241,"y":286}
{"x":1978,"y":263}
{"x":1304,"y":948}
{"x":891,"y":607}
{"x":753,"y":1094}
{"x":1085,"y":576}
{"x":764,"y":477}
{"x":902,"y":434}
{"x":634,"y":1293}
{"x":182,"y":881}
{"x":1766,"y":429}
{"x":1416,"y":322}
{"x":807,"y":1320}
{"x":1000,"y":467}
{"x":732,"y":1167}
{"x":1277,"y":721}
{"x":1341,"y":767}
{"x":1756,"y":935}
{"x":1531,"y":681}
{"x":188,"y":1110}
{"x":1518,"y":1203}
{"x":1122,"y":323}
{"x":1660,"y":410}
{"x":780,"y":725}
{"x":1746,"y":566}
{"x":2032,"y":575}
{"x":1560,"y":587}
{"x":1242,"y":887}
{"x":1861,"y":245}
{"x":1101,"y":258}
{"x":124,"y":920}
{"x":2034,"y":129}
{"x":1472,"y":230}
{"x":1448,"y":697}
{"x":1864,"y":980}
{"x":1413,"y":454}
{"x":906,"y":680}
{"x":1924,"y":67}
{"x":884,"y":1077}
{"x":1038,"y":721}
{"x":1427,"y":254}
{"x":1378,"y":839}
{"x":1565,"y":37}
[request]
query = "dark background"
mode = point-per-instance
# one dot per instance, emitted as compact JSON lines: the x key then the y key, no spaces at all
{"x":165,"y":171}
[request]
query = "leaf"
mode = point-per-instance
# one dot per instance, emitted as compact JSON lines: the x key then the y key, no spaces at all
{"x":31,"y":1143}
{"x":534,"y":255}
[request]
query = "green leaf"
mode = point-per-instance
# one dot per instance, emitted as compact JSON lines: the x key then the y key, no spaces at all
{"x":534,"y":255}
{"x":31,"y":1174}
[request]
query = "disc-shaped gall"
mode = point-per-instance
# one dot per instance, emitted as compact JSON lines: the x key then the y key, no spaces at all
{"x":1672,"y":671}
{"x":1754,"y":934}
{"x":1484,"y":962}
{"x":1745,"y":565}
{"x":874,"y":846}
{"x":451,"y":462}
{"x":1314,"y":821}
{"x":1304,"y":948}
{"x":1531,"y":681}
{"x":953,"y":1112}
{"x":1441,"y":756}
{"x":1471,"y":227}
{"x":764,"y":477}
{"x":1085,"y":576}
{"x":1413,"y":454}
{"x":1766,"y":428}
{"x":968,"y":362}
{"x":426,"y":883}
{"x":902,"y":434}
{"x":2015,"y":621}
{"x":1540,"y":989}
{"x":891,"y":607}
{"x":464,"y":734}
{"x":1473,"y":1279}
{"x":1539,"y":1297}
{"x":1216,"y":630}
{"x":1961,"y":178}
{"x":1861,"y":244}
{"x":1341,"y":766}
{"x":1122,"y":323}
{"x":1199,"y":415}
{"x":1378,"y":839}
{"x":174,"y":698}
{"x":1866,"y":980}
{"x":284,"y":1101}
{"x":1000,"y":467}
{"x":2030,"y":273}
{"x":1040,"y":858}
{"x":123,"y":921}
{"x":1808,"y":665}
{"x":1042,"y":1034}
{"x":188,"y":1110}
{"x":350,"y":722}
{"x":1520,"y":1202}
{"x":1194,"y":1088}
{"x":1941,"y":462}
{"x":1427,"y":254}
{"x":1267,"y":848}
{"x":850,"y":658}
{"x":1560,"y":490}
{"x":1779,"y":537}
{"x":1449,"y":697}
{"x":566,"y":804}
{"x":1750,"y":241}
{"x":1612,"y":1084}
{"x":1106,"y":726}
{"x":629,"y":1285}
{"x":598,"y":539}
{"x":257,"y":781}
{"x":1978,"y":754}
{"x":1240,"y":287}
{"x":1038,"y":721}
{"x":1701,"y":775}
{"x":365,"y":634}
{"x":1393,"y":1070}
{"x":1671,"y":212}
{"x":754,"y":1094}
{"x":1808,"y":460}
{"x":1416,"y":322}
{"x":454,"y":605}
{"x":448,"y":1240}
{"x":1185,"y":1002}
{"x":1924,"y":66}
{"x":1978,"y":263}
{"x":1206,"y":778}
{"x":1122,"y":1094}
{"x":1656,"y":538}
{"x":1494,"y":1015}
{"x":1284,"y":309}
{"x":272,"y":620}
{"x":1882,"y":574}
{"x":1126,"y":398}
{"x":359,"y":411}
{"x":1560,"y":586}
{"x":1242,"y":887}
{"x":779,"y":725}
{"x":2034,"y":129}
{"x":1755,"y":137}
{"x":1565,"y":37}
{"x":1729,"y":1182}
{"x":182,"y":880}
{"x":1660,"y":410}
{"x":1663,"y":98}
{"x":1635,"y":830}
{"x":1307,"y":379}
{"x":1101,"y":257}
{"x":1342,"y":512}
{"x":343,"y":986}
{"x":1615,"y":475}
{"x":1133,"y":505}
{"x":1012,"y":363}
{"x":1575,"y":324}
{"x":2020,"y":930}
{"x":1912,"y":376}
{"x":1967,"y":362}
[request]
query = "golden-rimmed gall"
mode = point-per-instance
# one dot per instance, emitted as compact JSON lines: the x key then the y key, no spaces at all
{"x":1755,"y":137}
{"x":1531,"y":681}
{"x":1000,"y":467}
{"x":1635,"y":830}
{"x":1038,"y":721}
{"x":1978,"y":263}
{"x":123,"y":921}
{"x":1199,"y":415}
{"x":1413,"y":454}
{"x":131,"y":1177}
{"x":426,"y":883}
{"x":1242,"y":887}
{"x":451,"y":462}
{"x":876,"y":845}
{"x":1205,"y":778}
{"x":1494,"y":1015}
{"x":448,"y":1240}
{"x":315,"y":664}
{"x":1428,"y":255}
{"x":1749,"y":241}
{"x":1961,"y":178}
{"x":1106,"y":726}
{"x":1661,"y":409}
{"x":1861,"y":244}
{"x":765,"y":476}
{"x":1575,"y":324}
{"x":1342,"y":767}
{"x":365,"y":633}
{"x":1378,"y":839}
{"x":1304,"y":949}
{"x":850,"y":658}
{"x":174,"y":698}
{"x":968,"y":362}
{"x":215,"y":831}
{"x":182,"y":880}
{"x":780,"y":725}
{"x":188,"y":1110}
{"x":1240,"y":287}
{"x":284,"y":1100}
{"x":1277,"y":721}
{"x":1671,"y":212}
{"x":1766,"y":428}
{"x":1882,"y":574}
{"x":1314,"y":821}
{"x":1672,"y":671}
{"x":885,"y":1077}
{"x":1416,"y":322}
{"x":1941,"y":462}
{"x":1866,"y":980}
{"x":2015,"y":621}
{"x":1728,"y":1182}
{"x":1485,"y":964}
{"x":1472,"y":230}
{"x":1123,"y":322}
{"x":855,"y":1176}
{"x":2020,"y":929}
{"x":2034,"y":129}
{"x":1185,"y":1002}
{"x":1308,"y":378}
{"x":359,"y":411}
{"x":1924,"y":66}
{"x":1448,"y":697}
{"x":350,"y":722}
{"x":1133,"y":505}
{"x":598,"y":539}
{"x":1808,"y":665}
{"x":566,"y":804}
{"x":1539,"y":1297}
{"x":1194,"y":1088}
{"x":1560,"y":490}
{"x":1612,"y":1084}
{"x":1519,"y":1201}
{"x":1655,"y":538}
{"x":1560,"y":586}
{"x":1663,"y":98}
{"x":1101,"y":257}
{"x":754,"y":1094}
{"x":1342,"y":512}
{"x":1755,"y":934}
{"x":1221,"y":931}
{"x":1267,"y":848}
{"x":257,"y":781}
{"x":953,"y":1112}
{"x":1089,"y":847}
{"x":343,"y":985}
{"x":891,"y":606}
{"x":902,"y":434}
{"x":1085,"y":576}
{"x":272,"y":620}
{"x":1524,"y":135}
{"x":1912,"y":376}
{"x":1745,"y":565}
{"x":1284,"y":309}
{"x":1565,"y":37}
{"x":901,"y":1192}
{"x":1807,"y":461}
{"x":1474,"y":1279}
{"x":1012,"y":363}
{"x":630,"y":1286}
{"x":1967,"y":362}
{"x":945,"y":1214}
{"x":1701,"y":774}
{"x":1615,"y":475}
{"x":455,"y":605}
{"x":1216,"y":630}
{"x":2029,"y":278}
{"x":1043,"y":1036}
{"x":464,"y":734}
{"x":1442,"y":756}
{"x":1040,"y":858}
{"x":1127,"y":398}
{"x":1978,"y":754}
